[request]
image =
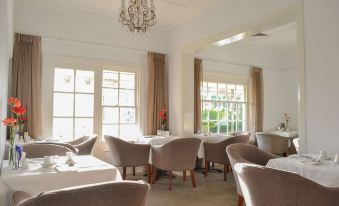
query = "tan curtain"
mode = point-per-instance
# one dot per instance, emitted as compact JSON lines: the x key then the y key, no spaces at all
{"x":26,"y":79}
{"x":157,"y":93}
{"x":198,"y":79}
{"x":256,"y":103}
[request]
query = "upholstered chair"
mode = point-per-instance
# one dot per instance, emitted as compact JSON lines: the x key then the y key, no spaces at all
{"x":126,"y":154}
{"x":69,"y":146}
{"x":266,"y":187}
{"x":215,"y":152}
{"x":176,"y":155}
{"x":272,"y":143}
{"x":246,"y":153}
{"x":126,"y":193}
{"x":84,"y":144}
{"x":40,"y":150}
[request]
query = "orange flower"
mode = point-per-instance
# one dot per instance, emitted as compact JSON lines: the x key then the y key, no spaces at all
{"x":19,"y":110}
{"x":14,"y":102}
{"x":9,"y":121}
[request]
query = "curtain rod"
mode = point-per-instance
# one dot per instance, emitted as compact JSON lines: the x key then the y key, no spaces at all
{"x":245,"y":65}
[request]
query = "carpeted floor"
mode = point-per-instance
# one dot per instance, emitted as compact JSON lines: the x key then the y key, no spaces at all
{"x":210,"y":191}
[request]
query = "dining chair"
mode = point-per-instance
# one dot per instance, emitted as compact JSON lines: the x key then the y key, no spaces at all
{"x":36,"y":150}
{"x":215,"y":152}
{"x":64,"y":144}
{"x":126,"y":193}
{"x":273,"y":143}
{"x":177,"y":155}
{"x":266,"y":187}
{"x":84,"y":144}
{"x":126,"y":154}
{"x":246,"y":153}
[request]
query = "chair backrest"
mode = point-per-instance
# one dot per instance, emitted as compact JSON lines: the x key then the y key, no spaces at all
{"x":79,"y":140}
{"x":264,"y":186}
{"x":69,"y":146}
{"x":272,"y":143}
{"x":246,"y":153}
{"x":216,"y":151}
{"x":126,"y":193}
{"x":40,"y":150}
{"x":86,"y":146}
{"x":177,"y":155}
{"x":127,"y":154}
{"x":241,"y":133}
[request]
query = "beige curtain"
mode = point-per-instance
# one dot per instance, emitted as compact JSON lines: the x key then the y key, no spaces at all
{"x":198,"y":79}
{"x":157,"y":93}
{"x":26,"y":79}
{"x":256,"y":103}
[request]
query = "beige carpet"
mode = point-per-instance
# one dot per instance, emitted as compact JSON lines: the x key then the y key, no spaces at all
{"x":210,"y":191}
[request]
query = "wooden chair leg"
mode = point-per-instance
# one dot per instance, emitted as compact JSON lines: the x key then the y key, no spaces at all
{"x":193,"y":178}
{"x":170,"y":175}
{"x":206,"y":168}
{"x":154,"y":174}
{"x":184,"y":175}
{"x":225,"y":171}
{"x":240,"y":200}
{"x":124,"y":173}
{"x":133,"y":171}
{"x":149,"y":171}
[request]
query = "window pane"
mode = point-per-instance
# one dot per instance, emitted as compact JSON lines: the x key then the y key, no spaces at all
{"x":240,"y":93}
{"x":231,"y":92}
{"x":222,"y":111}
{"x":127,"y":80}
{"x":127,"y":115}
{"x":129,"y":132}
{"x":84,"y":105}
{"x":83,"y":127}
{"x":64,"y":80}
{"x":222,"y":92}
{"x":205,"y":110}
{"x":110,"y":115}
{"x":63,"y":105}
{"x":213,"y":127}
{"x":212,"y":91}
{"x":213,"y":112}
{"x":110,"y":79}
{"x":204,"y":91}
{"x":205,"y":126}
{"x":111,"y":130}
{"x":223,"y":127}
{"x":110,"y":97}
{"x":126,"y":97}
{"x":84,"y":81}
{"x":63,"y":128}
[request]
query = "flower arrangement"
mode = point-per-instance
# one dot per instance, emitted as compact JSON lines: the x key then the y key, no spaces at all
{"x":163,"y":116}
{"x":14,"y":122}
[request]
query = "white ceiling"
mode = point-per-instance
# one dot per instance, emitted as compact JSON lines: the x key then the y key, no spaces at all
{"x":169,"y":12}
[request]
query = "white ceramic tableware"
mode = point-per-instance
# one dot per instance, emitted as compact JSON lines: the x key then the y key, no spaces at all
{"x":323,"y":155}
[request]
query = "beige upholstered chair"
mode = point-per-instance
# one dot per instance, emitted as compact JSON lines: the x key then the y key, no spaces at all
{"x":216,"y":152}
{"x":126,"y":193}
{"x":84,"y":144}
{"x":241,"y":133}
{"x":125,"y":154}
{"x":272,"y":143}
{"x":40,"y":150}
{"x":245,"y":153}
{"x":176,"y":155}
{"x":69,"y":146}
{"x":266,"y":187}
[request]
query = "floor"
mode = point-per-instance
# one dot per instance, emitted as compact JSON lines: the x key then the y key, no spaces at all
{"x":209,"y":191}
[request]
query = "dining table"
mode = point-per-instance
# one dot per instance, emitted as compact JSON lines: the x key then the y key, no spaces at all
{"x":324,"y":172}
{"x":38,"y":177}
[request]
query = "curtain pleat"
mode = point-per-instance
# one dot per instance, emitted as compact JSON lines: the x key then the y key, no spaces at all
{"x":198,"y":80}
{"x":157,"y":92}
{"x":26,"y":78}
{"x":256,"y":103}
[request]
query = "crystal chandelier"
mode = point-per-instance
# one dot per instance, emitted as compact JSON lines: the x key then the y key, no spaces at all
{"x":139,"y":16}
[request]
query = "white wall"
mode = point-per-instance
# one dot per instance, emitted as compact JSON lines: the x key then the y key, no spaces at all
{"x":5,"y":50}
{"x":322,"y":72}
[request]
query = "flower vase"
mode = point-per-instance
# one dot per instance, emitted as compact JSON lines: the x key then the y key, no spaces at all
{"x":163,"y":127}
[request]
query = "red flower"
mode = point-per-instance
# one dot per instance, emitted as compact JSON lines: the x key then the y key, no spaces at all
{"x":163,"y":114}
{"x":19,"y":110}
{"x":9,"y":121}
{"x":22,"y":119}
{"x":14,"y":102}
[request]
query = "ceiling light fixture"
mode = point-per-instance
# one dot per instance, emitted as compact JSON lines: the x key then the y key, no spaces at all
{"x":139,"y":16}
{"x":230,"y":40}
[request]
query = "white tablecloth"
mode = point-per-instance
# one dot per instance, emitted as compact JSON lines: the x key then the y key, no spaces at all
{"x":287,"y":134}
{"x":87,"y":170}
{"x":325,"y":173}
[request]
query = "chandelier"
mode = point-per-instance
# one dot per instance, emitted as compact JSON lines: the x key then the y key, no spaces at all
{"x":139,"y":16}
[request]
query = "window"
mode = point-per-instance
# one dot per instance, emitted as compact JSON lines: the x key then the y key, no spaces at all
{"x":224,"y":107}
{"x":73,"y":103}
{"x":119,"y":104}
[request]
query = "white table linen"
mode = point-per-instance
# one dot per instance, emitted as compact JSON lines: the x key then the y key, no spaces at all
{"x":287,"y":134}
{"x":325,"y":172}
{"x":87,"y":170}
